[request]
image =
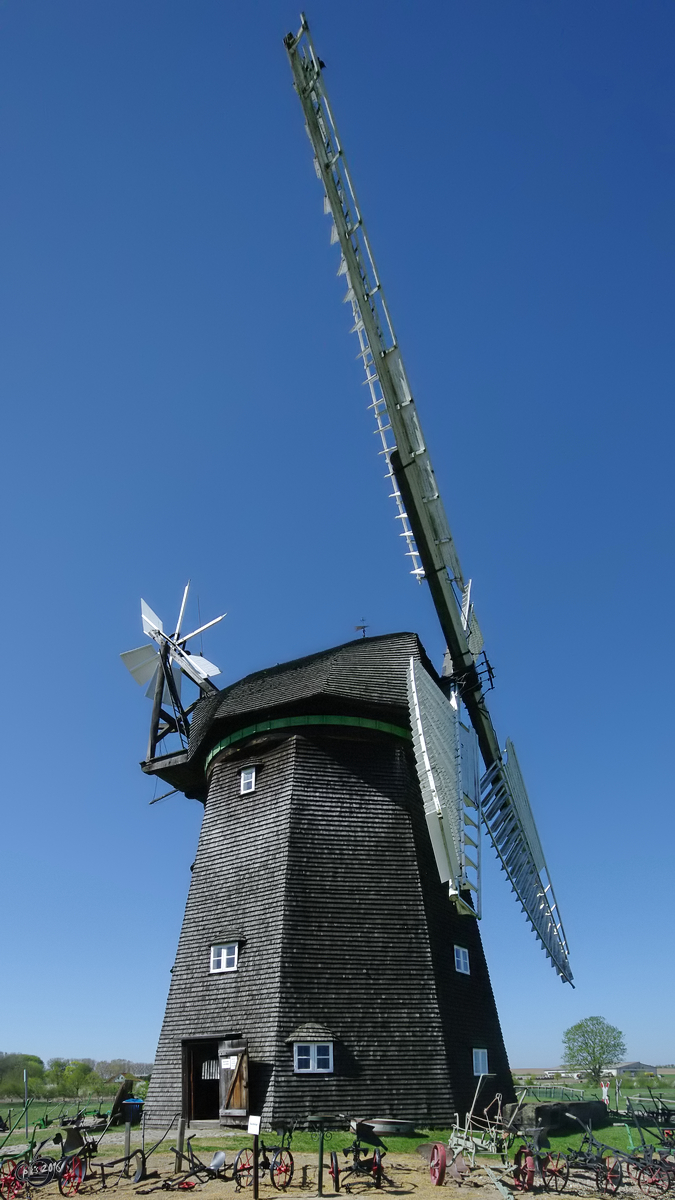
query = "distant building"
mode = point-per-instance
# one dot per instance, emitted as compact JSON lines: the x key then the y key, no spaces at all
{"x":629,"y":1068}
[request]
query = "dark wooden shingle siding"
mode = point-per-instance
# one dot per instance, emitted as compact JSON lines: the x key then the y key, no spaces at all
{"x":355,"y":953}
{"x":327,"y":873}
{"x":237,"y":890}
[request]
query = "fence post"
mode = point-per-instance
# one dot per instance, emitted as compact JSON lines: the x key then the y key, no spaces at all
{"x":127,"y":1145}
{"x":180,"y":1144}
{"x":256,"y":1173}
{"x":320,"y":1175}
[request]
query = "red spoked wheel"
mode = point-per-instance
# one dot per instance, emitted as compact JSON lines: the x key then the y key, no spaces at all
{"x":437,"y":1164}
{"x":9,"y":1184}
{"x":523,"y":1170}
{"x":555,"y":1171}
{"x":377,"y":1168}
{"x":334,"y":1170}
{"x":243,"y":1168}
{"x":281,"y":1170}
{"x":72,"y":1176}
{"x":609,"y":1175}
{"x":654,"y":1180}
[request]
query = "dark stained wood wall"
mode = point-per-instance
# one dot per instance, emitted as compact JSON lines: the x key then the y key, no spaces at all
{"x":327,"y":874}
{"x":237,"y":890}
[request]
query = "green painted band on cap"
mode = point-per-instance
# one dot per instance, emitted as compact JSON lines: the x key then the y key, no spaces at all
{"x":289,"y":722}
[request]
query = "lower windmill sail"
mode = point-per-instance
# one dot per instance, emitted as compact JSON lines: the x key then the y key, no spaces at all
{"x":510,"y":824}
{"x":446,"y":756}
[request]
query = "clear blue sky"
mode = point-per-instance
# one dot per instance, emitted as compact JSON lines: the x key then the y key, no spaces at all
{"x":181,"y":399}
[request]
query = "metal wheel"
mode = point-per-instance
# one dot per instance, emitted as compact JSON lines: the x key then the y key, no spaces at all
{"x":72,"y":1176}
{"x":437,"y":1164}
{"x":523,"y":1170}
{"x":9,"y":1184}
{"x":654,"y":1180}
{"x":41,"y":1171}
{"x":334,"y":1170}
{"x":243,"y":1168}
{"x":377,"y":1168}
{"x":140,"y":1172}
{"x":609,"y":1175}
{"x":281,"y":1170}
{"x":555,"y":1171}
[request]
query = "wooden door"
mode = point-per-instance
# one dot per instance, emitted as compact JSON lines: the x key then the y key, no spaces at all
{"x":233,"y":1059}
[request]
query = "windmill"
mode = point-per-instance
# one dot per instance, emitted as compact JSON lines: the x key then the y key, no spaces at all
{"x":330,"y":958}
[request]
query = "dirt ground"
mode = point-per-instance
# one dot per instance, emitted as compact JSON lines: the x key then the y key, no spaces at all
{"x":405,"y":1175}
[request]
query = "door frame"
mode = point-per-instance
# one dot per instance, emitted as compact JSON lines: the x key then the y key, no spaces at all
{"x":186,"y":1048}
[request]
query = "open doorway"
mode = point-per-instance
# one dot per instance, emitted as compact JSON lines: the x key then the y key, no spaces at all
{"x":201,"y":1080}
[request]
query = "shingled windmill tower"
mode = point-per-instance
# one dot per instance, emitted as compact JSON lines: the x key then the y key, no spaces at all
{"x":330,"y":957}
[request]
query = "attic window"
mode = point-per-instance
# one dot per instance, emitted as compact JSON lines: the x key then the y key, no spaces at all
{"x":313,"y":1056}
{"x":247,"y":780}
{"x":224,"y":957}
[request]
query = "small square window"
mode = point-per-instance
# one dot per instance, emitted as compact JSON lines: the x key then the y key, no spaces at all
{"x":462,"y":960}
{"x":224,"y":957}
{"x":313,"y":1056}
{"x":480,"y":1062}
{"x":247,"y":780}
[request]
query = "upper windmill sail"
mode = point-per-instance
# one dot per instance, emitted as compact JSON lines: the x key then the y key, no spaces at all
{"x":424,"y":525}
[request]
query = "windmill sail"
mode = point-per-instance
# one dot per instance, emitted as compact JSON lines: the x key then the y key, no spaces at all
{"x":508,"y":819}
{"x":173,"y":660}
{"x":424,"y":524}
{"x":446,"y":759}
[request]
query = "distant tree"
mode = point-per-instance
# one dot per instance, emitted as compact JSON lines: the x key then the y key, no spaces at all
{"x":72,"y":1077}
{"x":12,"y":1067}
{"x":56,"y":1070}
{"x":77,"y":1078}
{"x":591,"y":1045}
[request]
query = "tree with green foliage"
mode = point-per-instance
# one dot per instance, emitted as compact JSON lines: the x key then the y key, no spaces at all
{"x":12,"y":1067}
{"x":73,"y":1077}
{"x":591,"y":1045}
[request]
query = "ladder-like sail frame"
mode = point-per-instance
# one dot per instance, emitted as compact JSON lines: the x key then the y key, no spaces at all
{"x":446,"y":756}
{"x":424,"y":525}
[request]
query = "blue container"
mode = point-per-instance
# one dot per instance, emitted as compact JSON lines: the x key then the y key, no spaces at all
{"x":133,"y":1110}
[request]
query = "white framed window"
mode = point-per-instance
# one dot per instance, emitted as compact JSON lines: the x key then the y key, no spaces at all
{"x":462,"y":960}
{"x":313,"y":1056}
{"x":480,"y":1062}
{"x":224,"y":957}
{"x":247,"y":780}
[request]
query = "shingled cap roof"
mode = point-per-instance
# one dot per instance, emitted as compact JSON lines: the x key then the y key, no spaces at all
{"x":365,"y":677}
{"x":362,"y":676}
